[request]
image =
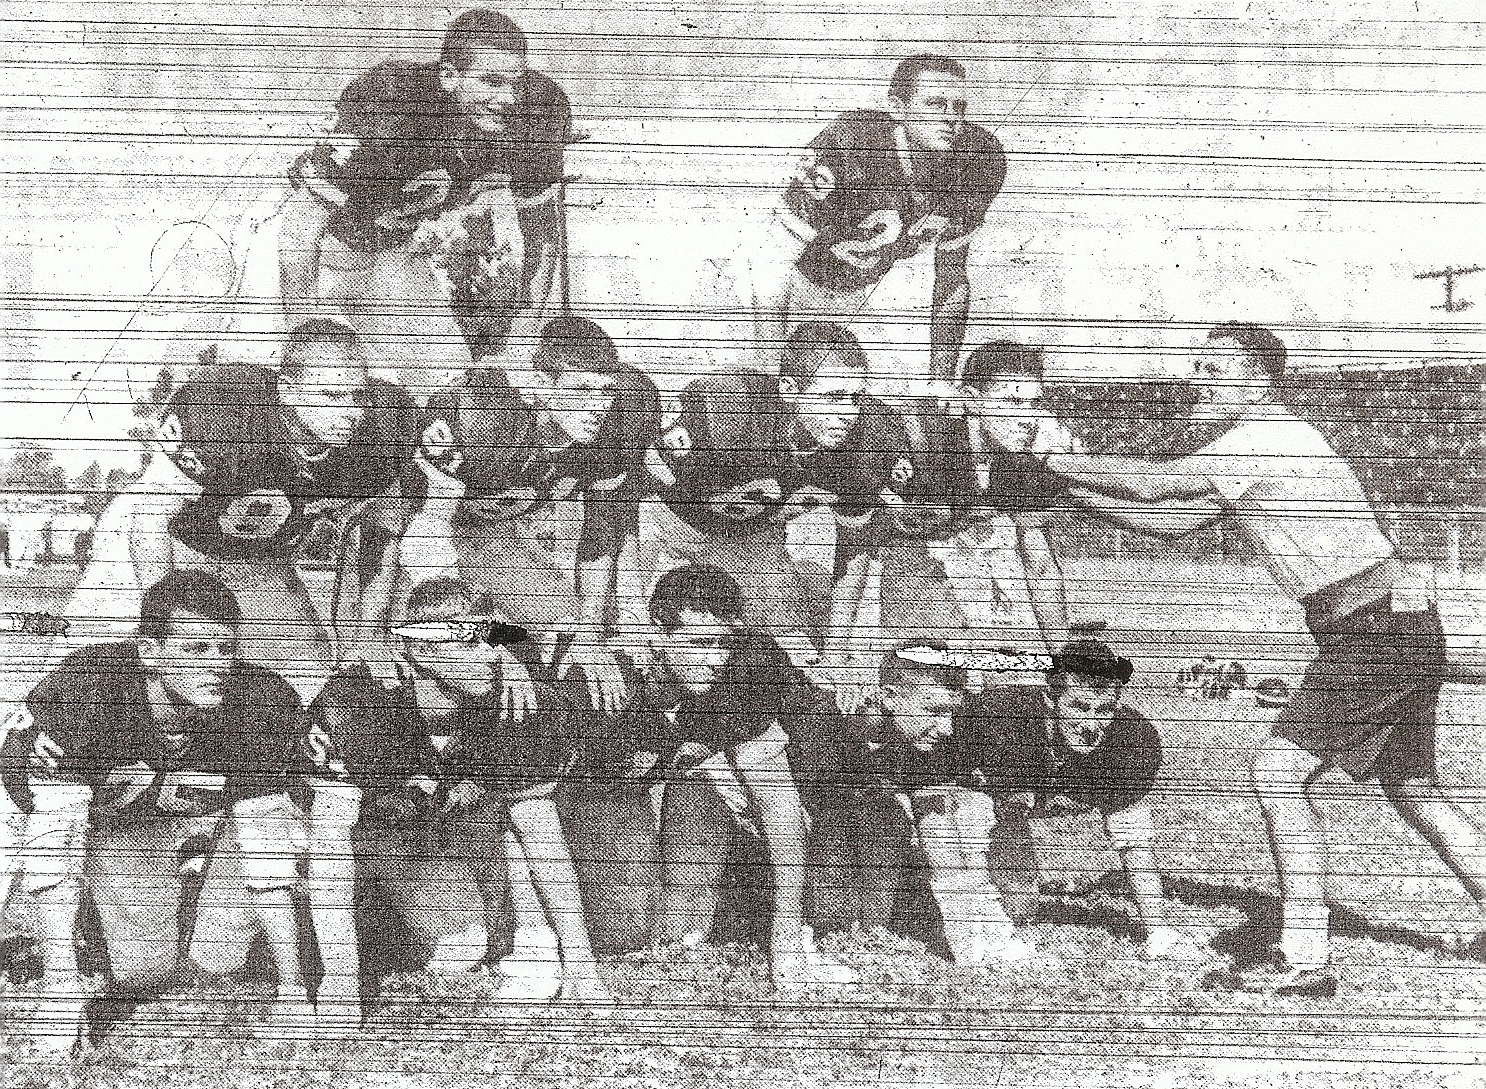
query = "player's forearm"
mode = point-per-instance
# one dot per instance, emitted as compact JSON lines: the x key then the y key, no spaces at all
{"x":305,"y":222}
{"x":597,"y":583}
{"x":1172,"y":518}
{"x":1127,"y":478}
{"x":427,"y":548}
{"x":1145,"y":884}
{"x":947,"y":319}
{"x":1046,"y":588}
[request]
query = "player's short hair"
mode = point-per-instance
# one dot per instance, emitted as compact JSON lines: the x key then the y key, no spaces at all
{"x":697,"y":587}
{"x":901,"y":671}
{"x":481,"y":28}
{"x":1258,"y":343}
{"x":997,"y":360}
{"x":905,"y":76}
{"x":313,"y":332}
{"x":1092,"y":662}
{"x":446,"y":599}
{"x":186,"y":591}
{"x":571,"y":343}
{"x":810,"y":341}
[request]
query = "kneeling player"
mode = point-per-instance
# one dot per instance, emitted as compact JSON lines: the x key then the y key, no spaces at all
{"x":743,"y":456}
{"x":246,"y":464}
{"x":506,"y":469}
{"x":969,"y":772}
{"x":718,"y":709}
{"x":438,"y":778}
{"x":152,"y":758}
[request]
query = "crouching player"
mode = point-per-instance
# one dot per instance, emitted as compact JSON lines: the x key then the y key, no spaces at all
{"x":969,"y":773}
{"x":716,"y":715}
{"x":151,"y":759}
{"x":432,"y":775}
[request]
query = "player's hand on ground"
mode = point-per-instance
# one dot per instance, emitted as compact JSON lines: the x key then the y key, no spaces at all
{"x":46,"y":754}
{"x":463,"y":797}
{"x":607,"y":688}
{"x":1169,"y":943}
{"x":518,"y":692}
{"x":15,"y":718}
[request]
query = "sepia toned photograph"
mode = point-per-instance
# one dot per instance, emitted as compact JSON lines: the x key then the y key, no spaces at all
{"x":781,"y":544}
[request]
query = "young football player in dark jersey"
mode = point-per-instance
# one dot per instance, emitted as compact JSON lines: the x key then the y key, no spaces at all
{"x":431,"y":216}
{"x":969,"y":770}
{"x":145,"y":753}
{"x":508,"y":469}
{"x":873,"y":189}
{"x":1367,"y":703}
{"x":712,"y":723}
{"x":434,"y":778}
{"x":742,"y":456}
{"x":244,"y":463}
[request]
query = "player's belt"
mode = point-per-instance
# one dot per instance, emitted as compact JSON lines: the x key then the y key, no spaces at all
{"x":1344,"y":597}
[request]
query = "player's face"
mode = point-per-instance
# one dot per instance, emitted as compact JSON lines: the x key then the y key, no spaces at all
{"x":1082,"y":715}
{"x":934,"y":114}
{"x":464,"y":668}
{"x":485,"y":92}
{"x":694,"y":652}
{"x":329,"y":396}
{"x":829,"y":406}
{"x":1008,"y":409}
{"x":194,"y":659}
{"x":1225,"y":379}
{"x":923,"y":714}
{"x":580,"y":402}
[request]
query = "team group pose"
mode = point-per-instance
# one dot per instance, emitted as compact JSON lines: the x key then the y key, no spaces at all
{"x":569,"y":664}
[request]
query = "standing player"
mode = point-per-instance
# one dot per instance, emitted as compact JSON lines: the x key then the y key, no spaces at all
{"x":744,"y":455}
{"x":431,"y":217}
{"x":1368,"y":701}
{"x":160,"y":750}
{"x":504,"y":467}
{"x":437,"y":775}
{"x":873,"y":189}
{"x":246,"y":462}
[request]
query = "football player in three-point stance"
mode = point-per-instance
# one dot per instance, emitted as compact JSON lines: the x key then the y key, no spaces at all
{"x":245,"y":462}
{"x":742,"y":456}
{"x":873,"y":189}
{"x":430,"y":219}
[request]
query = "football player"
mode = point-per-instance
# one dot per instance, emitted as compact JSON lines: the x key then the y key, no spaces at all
{"x":245,"y":464}
{"x":431,"y":216}
{"x":440,"y":779}
{"x":507,"y":468}
{"x":873,"y":189}
{"x":959,"y":776}
{"x":742,"y":456}
{"x":712,"y":723}
{"x":1368,"y":701}
{"x":145,"y":760}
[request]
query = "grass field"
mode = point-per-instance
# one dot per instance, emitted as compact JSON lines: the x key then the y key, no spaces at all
{"x":1088,"y":1013}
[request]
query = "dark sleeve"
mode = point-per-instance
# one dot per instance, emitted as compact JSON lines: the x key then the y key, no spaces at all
{"x":1133,"y":764}
{"x":982,"y":173}
{"x":358,"y":715}
{"x":268,"y":747}
{"x":611,"y":511}
{"x":828,"y":177}
{"x":70,"y":704}
{"x":1018,"y":483}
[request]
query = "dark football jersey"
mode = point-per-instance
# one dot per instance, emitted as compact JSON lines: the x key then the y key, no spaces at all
{"x":262,"y":488}
{"x":508,"y":469}
{"x":740,"y":462}
{"x":380,"y":739}
{"x":1010,"y":483}
{"x":853,"y":199}
{"x":937,"y":500}
{"x":95,"y":706}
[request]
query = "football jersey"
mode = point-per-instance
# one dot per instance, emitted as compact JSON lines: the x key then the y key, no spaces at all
{"x":400,"y":155}
{"x":508,"y":468}
{"x":264,"y":486}
{"x":380,"y":739}
{"x":1008,"y":483}
{"x":862,"y":212}
{"x":95,"y":706}
{"x":739,"y":461}
{"x":937,"y":498}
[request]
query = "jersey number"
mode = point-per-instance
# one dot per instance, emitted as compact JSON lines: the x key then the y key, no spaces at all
{"x":884,"y":227}
{"x":746,"y":501}
{"x":257,"y":516}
